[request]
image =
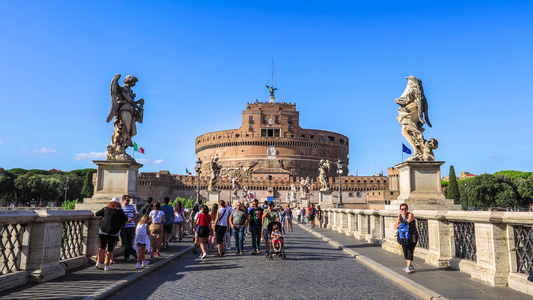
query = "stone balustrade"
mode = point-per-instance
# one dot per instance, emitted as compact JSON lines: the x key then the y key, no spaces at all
{"x":39,"y":245}
{"x":493,"y":247}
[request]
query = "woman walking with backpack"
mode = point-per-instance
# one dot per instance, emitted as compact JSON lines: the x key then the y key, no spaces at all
{"x":407,"y":235}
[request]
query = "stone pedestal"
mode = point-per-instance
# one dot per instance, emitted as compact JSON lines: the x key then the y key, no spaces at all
{"x":420,"y":187}
{"x":113,"y":179}
{"x":325,"y":199}
{"x":212,"y":198}
{"x":234,"y":200}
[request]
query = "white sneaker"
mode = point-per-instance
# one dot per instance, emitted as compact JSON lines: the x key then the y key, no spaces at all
{"x":407,"y":270}
{"x":145,"y":262}
{"x":108,"y":268}
{"x":228,"y":248}
{"x":98,"y":265}
{"x":262,"y":239}
{"x":138,"y":266}
{"x":203,"y":255}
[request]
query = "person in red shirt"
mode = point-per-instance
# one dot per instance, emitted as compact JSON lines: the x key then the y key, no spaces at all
{"x":204,"y":223}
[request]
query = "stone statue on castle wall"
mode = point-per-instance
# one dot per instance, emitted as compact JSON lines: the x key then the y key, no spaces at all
{"x":215,"y":173}
{"x":126,"y":112}
{"x":323,"y":170}
{"x":412,"y":114}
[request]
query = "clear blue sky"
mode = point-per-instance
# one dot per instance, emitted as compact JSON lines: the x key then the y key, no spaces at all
{"x":199,"y":62}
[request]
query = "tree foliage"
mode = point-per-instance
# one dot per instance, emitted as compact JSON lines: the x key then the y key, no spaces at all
{"x":515,"y":174}
{"x":453,"y":188}
{"x":88,"y":188}
{"x":22,"y":186}
{"x":186,"y":203}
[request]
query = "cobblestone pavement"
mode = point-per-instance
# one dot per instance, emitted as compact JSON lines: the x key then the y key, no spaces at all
{"x":313,"y":270}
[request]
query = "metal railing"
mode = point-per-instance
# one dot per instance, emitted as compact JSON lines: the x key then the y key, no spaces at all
{"x":465,"y":240}
{"x":524,"y":249}
{"x":71,"y":239}
{"x":423,"y":234}
{"x":11,"y":247}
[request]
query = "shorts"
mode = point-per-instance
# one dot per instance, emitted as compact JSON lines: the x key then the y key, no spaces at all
{"x":220,"y":232}
{"x":265,"y":233}
{"x":282,"y":220}
{"x":203,"y":232}
{"x":108,"y":241}
{"x":167,"y":228}
{"x":289,"y":220}
{"x":179,"y":223}
{"x":311,"y":217}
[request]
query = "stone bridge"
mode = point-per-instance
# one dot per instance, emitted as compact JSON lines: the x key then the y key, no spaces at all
{"x":48,"y":254}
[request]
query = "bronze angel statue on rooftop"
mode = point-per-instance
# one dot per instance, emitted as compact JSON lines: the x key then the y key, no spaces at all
{"x":412,"y":114}
{"x":126,"y":112}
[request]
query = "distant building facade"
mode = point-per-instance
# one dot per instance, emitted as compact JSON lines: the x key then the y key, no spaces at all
{"x":268,"y":154}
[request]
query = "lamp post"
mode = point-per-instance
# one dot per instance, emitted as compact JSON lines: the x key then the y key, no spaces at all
{"x":339,"y":170}
{"x":198,"y":172}
{"x":66,"y":189}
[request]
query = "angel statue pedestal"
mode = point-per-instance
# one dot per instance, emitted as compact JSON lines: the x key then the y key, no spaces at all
{"x":212,"y":198}
{"x":113,"y":179}
{"x":325,"y":199}
{"x":420,"y":187}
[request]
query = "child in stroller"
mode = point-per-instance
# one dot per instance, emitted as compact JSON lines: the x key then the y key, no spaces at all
{"x":276,"y":240}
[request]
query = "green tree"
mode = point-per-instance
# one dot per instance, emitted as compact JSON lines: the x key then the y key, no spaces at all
{"x":453,"y":188}
{"x":524,"y":188}
{"x":7,"y":186}
{"x":493,"y":190}
{"x":88,"y":188}
{"x":515,"y":174}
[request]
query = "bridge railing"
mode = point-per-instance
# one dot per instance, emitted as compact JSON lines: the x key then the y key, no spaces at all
{"x":493,"y":247}
{"x":38,"y":245}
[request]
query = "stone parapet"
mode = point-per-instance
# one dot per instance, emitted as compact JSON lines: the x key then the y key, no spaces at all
{"x":491,"y":246}
{"x":42,"y":244}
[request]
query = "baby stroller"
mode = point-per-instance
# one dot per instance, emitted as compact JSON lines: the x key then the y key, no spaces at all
{"x":279,"y":251}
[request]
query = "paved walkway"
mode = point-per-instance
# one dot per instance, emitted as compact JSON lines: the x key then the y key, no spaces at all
{"x":92,"y":283}
{"x":447,"y":283}
{"x":313,"y":270}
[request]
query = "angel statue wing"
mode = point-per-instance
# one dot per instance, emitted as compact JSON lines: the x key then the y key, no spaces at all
{"x":115,"y":92}
{"x":422,"y":104}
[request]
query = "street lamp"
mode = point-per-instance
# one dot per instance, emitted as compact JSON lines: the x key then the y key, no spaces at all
{"x":66,"y":189}
{"x":198,"y":172}
{"x":339,"y":170}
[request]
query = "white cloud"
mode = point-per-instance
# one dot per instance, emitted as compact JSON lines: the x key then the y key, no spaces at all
{"x":92,"y":155}
{"x":1,"y":143}
{"x":43,"y":150}
{"x":146,"y":161}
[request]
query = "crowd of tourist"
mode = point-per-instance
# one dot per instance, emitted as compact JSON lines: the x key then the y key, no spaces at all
{"x":155,"y":225}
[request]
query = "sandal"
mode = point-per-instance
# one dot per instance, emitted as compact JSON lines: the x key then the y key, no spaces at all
{"x":218,"y":255}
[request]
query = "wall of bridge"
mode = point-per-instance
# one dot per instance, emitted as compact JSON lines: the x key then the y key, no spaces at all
{"x":493,"y":247}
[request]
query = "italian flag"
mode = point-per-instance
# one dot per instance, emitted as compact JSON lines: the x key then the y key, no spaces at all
{"x":136,"y":148}
{"x":187,"y":172}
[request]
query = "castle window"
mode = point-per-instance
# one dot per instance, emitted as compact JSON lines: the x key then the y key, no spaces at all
{"x":219,"y":137}
{"x":290,"y":120}
{"x":290,"y":128}
{"x":303,"y":136}
{"x":341,"y":141}
{"x":358,"y":194}
{"x":270,"y":132}
{"x":264,"y":119}
{"x":269,"y":177}
{"x":331,"y":138}
{"x":277,"y":119}
{"x":312,"y":136}
{"x":250,"y":119}
{"x":321,"y":137}
{"x":237,"y":135}
{"x":350,"y":194}
{"x":250,"y":128}
{"x":198,"y":142}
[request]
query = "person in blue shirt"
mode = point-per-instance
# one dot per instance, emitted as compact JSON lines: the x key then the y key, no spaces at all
{"x":169,"y":220}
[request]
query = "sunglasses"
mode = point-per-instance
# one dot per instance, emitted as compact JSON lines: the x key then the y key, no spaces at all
{"x":403,"y":208}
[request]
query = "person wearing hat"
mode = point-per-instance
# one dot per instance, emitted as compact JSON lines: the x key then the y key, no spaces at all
{"x":109,"y":230}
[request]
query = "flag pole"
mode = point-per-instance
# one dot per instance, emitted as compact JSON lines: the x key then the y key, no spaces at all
{"x":133,"y":150}
{"x":402,"y":152}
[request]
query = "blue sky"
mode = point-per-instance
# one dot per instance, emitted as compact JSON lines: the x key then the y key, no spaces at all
{"x":199,"y":62}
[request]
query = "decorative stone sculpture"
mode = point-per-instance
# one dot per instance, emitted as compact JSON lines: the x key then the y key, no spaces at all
{"x":236,"y":186}
{"x":215,"y":172}
{"x":412,"y":113}
{"x":323,"y":169}
{"x":293,"y":193}
{"x":304,"y":185}
{"x":126,"y":112}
